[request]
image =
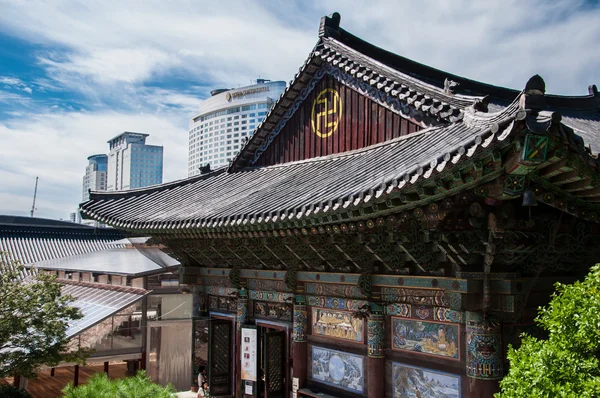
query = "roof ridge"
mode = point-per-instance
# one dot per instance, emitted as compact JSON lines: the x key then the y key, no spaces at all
{"x":330,"y":28}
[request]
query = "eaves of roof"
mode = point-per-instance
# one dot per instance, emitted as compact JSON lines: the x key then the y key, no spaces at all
{"x":302,"y":189}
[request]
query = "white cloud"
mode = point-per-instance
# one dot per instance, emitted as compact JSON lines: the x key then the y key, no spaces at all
{"x":13,"y":82}
{"x":54,"y":147}
{"x":10,"y":81}
{"x":111,"y":42}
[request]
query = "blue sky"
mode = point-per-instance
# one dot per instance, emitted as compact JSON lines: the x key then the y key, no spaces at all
{"x":74,"y":74}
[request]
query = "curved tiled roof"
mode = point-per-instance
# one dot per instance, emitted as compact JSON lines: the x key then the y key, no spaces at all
{"x":298,"y":189}
{"x":465,"y":114}
{"x":438,"y":94}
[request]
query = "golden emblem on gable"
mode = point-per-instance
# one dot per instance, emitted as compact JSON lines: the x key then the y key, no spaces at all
{"x":326,"y":112}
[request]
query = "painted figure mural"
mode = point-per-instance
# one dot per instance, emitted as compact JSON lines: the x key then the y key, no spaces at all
{"x":433,"y":338}
{"x":414,"y":382}
{"x":338,"y":369}
{"x":337,"y":324}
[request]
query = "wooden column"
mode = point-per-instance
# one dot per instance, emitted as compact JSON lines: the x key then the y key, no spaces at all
{"x":198,"y":309}
{"x":106,"y":367}
{"x":299,"y":349}
{"x":144,"y":325}
{"x":483,"y":354}
{"x":376,"y":352}
{"x":52,"y":371}
{"x":241,"y":316}
{"x":76,"y":376}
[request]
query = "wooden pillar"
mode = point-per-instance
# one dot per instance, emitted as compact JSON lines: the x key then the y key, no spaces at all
{"x":484,"y":355}
{"x":144,"y":325}
{"x":376,"y":352}
{"x":76,"y":376}
{"x":106,"y":367}
{"x":52,"y":372}
{"x":241,"y":316}
{"x":143,"y":361}
{"x":132,"y":367}
{"x":199,"y":301}
{"x":299,"y":349}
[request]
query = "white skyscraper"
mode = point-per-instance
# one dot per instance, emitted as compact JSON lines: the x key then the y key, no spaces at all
{"x":132,"y":163}
{"x":224,"y":120}
{"x":95,"y":176}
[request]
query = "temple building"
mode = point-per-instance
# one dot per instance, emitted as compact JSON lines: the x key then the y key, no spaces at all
{"x":387,"y":231}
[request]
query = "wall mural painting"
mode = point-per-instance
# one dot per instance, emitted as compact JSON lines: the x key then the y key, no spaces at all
{"x":410,"y":381}
{"x":281,"y":311}
{"x":335,"y":302}
{"x":333,"y":289}
{"x":339,"y":369}
{"x":433,"y":338}
{"x":222,"y":304}
{"x":337,"y":324}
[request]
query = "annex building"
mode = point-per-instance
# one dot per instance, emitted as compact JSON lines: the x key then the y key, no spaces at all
{"x":387,"y":231}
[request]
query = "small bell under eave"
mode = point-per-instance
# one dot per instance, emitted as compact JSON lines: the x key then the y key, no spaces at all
{"x":529,"y":198}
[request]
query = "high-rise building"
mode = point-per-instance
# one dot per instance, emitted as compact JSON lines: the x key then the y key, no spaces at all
{"x":132,"y":163}
{"x":225,"y":120}
{"x":95,"y":176}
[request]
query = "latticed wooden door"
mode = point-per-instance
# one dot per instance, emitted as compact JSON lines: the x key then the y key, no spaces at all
{"x":220,"y":357}
{"x":274,"y":353}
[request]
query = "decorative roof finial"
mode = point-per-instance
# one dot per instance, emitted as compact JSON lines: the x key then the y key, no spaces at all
{"x":533,"y":99}
{"x":449,"y":86}
{"x":330,"y":25}
{"x":535,"y":85}
{"x":205,"y":169}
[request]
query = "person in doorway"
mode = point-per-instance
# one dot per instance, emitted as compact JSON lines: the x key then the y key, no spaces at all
{"x":201,"y":381}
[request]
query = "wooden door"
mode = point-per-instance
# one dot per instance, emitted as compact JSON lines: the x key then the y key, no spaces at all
{"x":274,"y":355}
{"x":220,"y":357}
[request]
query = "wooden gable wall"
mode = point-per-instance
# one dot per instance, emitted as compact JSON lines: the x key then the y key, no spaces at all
{"x":333,"y":119}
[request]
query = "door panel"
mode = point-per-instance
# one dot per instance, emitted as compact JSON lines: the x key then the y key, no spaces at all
{"x":220,"y":356}
{"x":274,"y":353}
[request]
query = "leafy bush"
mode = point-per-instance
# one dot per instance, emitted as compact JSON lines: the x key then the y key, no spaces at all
{"x":34,"y":320}
{"x":566,"y":364}
{"x":9,"y":391}
{"x":138,"y":386}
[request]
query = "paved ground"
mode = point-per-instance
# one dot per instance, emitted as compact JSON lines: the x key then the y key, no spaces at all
{"x":187,"y":394}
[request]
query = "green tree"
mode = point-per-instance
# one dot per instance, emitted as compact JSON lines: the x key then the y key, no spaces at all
{"x":138,"y":386}
{"x":566,"y":364}
{"x":33,"y":321}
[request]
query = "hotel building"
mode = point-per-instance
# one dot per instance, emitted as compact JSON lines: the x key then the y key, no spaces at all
{"x":225,"y":120}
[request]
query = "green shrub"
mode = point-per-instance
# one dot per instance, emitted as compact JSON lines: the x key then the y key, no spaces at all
{"x":138,"y":386}
{"x":566,"y":364}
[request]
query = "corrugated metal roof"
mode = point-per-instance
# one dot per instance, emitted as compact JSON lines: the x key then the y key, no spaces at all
{"x":30,"y":240}
{"x":97,"y":302}
{"x":35,"y":249}
{"x":119,"y":261}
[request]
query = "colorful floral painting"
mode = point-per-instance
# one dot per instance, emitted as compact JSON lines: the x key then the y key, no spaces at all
{"x":413,"y":382}
{"x":337,"y":324}
{"x":433,"y":338}
{"x":338,"y":369}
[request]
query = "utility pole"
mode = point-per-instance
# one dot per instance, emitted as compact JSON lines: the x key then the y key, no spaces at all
{"x":34,"y":195}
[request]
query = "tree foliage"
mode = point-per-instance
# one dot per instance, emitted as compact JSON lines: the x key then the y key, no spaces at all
{"x":138,"y":386}
{"x":567,"y":363}
{"x":10,"y":391}
{"x":33,"y":321}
